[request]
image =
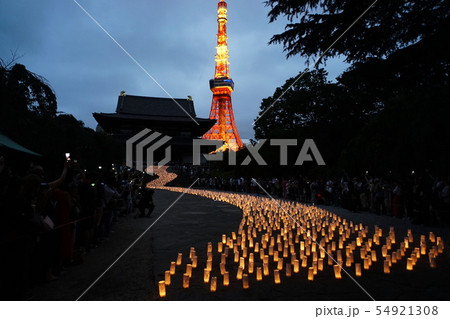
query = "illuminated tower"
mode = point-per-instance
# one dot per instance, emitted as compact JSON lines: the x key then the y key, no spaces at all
{"x":222,"y":86}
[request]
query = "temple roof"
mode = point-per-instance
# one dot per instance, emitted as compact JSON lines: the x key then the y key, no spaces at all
{"x":155,"y":106}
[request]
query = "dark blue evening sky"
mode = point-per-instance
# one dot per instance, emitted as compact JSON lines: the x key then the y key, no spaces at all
{"x":173,"y":40}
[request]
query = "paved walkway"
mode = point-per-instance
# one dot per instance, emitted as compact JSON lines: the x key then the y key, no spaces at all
{"x":193,"y":222}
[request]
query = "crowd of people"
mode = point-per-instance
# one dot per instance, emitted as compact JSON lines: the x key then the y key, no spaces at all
{"x":422,"y":198}
{"x":48,"y":226}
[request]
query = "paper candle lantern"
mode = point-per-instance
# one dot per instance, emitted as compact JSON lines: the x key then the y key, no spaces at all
{"x":276,"y":276}
{"x":288,"y":270}
{"x":386,"y":268}
{"x":189,"y":270}
{"x":245,"y":283}
{"x":258,"y":273}
{"x":280,"y":264}
{"x":409,"y":264}
{"x":239,"y":273}
{"x":384,"y":251}
{"x":167,"y":277}
{"x":185,"y":280}
{"x":194,"y":262}
{"x":358,"y":269}
{"x":222,"y":268}
{"x":304,"y":262}
{"x":251,"y":267}
{"x":162,"y":288}
{"x":433,"y":262}
{"x":337,"y":272}
{"x":266,"y":269}
{"x":179,"y":259}
{"x":172,"y":268}
{"x":206,"y":274}
{"x":266,"y":259}
{"x":213,"y":286}
{"x":320,"y":264}
{"x":242,"y":262}
{"x":257,"y":248}
{"x":251,"y":257}
{"x":224,"y":239}
{"x":366,"y":263}
{"x":236,"y":257}
{"x":219,"y":247}
{"x":226,"y":278}
{"x":275,"y":256}
{"x":209,"y":265}
{"x":311,"y":273}
{"x":296,"y":266}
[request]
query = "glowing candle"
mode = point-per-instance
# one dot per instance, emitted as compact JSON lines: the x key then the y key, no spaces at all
{"x":288,"y":270}
{"x":308,"y":250}
{"x":189,"y":270}
{"x":242,"y":262}
{"x":266,"y":269}
{"x":209,"y":265}
{"x":394,"y":258}
{"x":409,"y":264}
{"x":194,"y":262}
{"x":167,"y":277}
{"x":251,"y":257}
{"x":296,"y":266}
{"x":276,"y":276}
{"x":271,"y":250}
{"x":179,"y":259}
{"x":373,"y":255}
{"x":433,"y":262}
{"x":302,"y":245}
{"x":366,"y":263}
{"x":226,"y":278}
{"x":311,"y":273}
{"x":285,"y":252}
{"x":362,"y":253}
{"x":384,"y":251}
{"x":275,"y":256}
{"x":387,"y":270}
{"x":337,"y":272}
{"x":304,"y":262}
{"x":256,"y":247}
{"x":280,"y":264}
{"x":236,"y":257}
{"x":222,"y":268}
{"x":224,"y":239}
{"x":320,"y":264}
{"x":245,"y":283}
{"x":206,"y":274}
{"x":258,"y":273}
{"x":239,"y":273}
{"x":213,"y":286}
{"x":219,"y":247}
{"x":191,"y":252}
{"x":162,"y":288}
{"x":266,"y":259}
{"x":358,"y":269}
{"x":172,"y":268}
{"x":185,"y":281}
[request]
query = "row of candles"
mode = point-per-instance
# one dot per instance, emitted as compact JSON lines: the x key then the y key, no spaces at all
{"x":281,"y":237}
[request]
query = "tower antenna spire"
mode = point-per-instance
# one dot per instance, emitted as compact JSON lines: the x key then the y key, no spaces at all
{"x":222,"y":86}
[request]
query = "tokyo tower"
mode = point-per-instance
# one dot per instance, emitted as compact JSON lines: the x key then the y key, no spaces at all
{"x":222,"y":86}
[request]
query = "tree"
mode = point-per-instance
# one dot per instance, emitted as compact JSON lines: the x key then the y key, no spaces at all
{"x":314,"y":108}
{"x":387,"y":27}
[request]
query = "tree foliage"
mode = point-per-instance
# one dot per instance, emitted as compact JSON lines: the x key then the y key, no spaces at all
{"x":28,"y":115}
{"x":386,"y":111}
{"x":387,"y":27}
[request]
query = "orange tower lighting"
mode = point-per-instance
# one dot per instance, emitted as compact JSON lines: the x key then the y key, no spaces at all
{"x":222,"y":86}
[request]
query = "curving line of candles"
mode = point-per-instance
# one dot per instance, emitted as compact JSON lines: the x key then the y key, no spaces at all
{"x":282,"y":237}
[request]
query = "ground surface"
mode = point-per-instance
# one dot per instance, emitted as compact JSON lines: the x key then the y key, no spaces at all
{"x":193,"y":222}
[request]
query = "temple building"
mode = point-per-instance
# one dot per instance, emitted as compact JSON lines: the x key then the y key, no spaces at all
{"x":171,"y":117}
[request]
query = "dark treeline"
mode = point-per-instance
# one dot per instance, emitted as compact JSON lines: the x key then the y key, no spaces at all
{"x":389,"y":111}
{"x":29,"y":116}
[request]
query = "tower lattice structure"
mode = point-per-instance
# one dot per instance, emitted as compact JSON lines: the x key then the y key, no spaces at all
{"x":222,"y":86}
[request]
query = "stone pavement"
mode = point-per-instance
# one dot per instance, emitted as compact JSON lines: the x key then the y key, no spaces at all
{"x":193,"y":222}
